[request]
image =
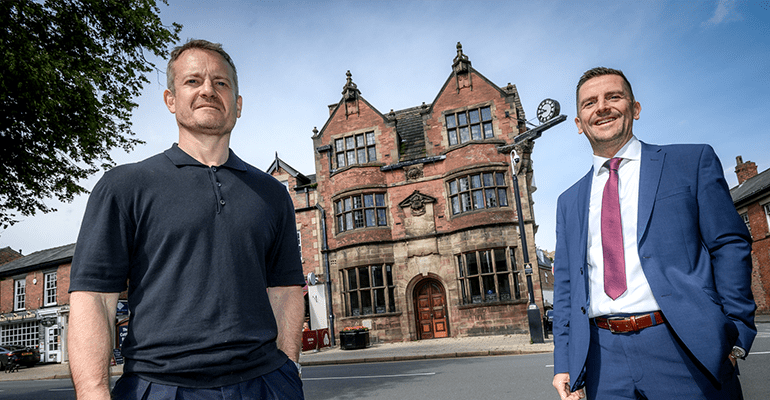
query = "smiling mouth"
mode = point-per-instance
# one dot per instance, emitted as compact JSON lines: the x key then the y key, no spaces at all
{"x":604,"y":121}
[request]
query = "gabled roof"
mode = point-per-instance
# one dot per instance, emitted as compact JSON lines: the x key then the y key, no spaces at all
{"x":278,"y":163}
{"x":542,"y":260}
{"x":751,"y":188}
{"x":350,"y":92}
{"x":8,"y":254}
{"x":409,"y":123}
{"x":39,"y":260}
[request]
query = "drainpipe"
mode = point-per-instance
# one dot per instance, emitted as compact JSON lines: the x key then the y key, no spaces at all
{"x":327,"y":274}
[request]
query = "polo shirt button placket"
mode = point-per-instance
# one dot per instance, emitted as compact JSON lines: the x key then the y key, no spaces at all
{"x":217,"y":185}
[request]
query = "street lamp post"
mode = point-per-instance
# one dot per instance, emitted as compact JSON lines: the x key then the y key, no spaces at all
{"x":548,"y":114}
{"x":533,"y":312}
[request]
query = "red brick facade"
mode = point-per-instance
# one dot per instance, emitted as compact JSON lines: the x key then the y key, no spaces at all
{"x":752,"y":201}
{"x":424,"y":239}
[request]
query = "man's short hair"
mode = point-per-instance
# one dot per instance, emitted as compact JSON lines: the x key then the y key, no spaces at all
{"x":202,"y":45}
{"x":600,"y":71}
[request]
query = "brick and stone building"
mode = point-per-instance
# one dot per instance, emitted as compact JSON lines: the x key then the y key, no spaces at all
{"x":752,"y":201}
{"x":34,"y":303}
{"x":411,"y":217}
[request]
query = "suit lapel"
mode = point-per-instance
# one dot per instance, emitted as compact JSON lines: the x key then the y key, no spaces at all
{"x":583,"y":201}
{"x":649,"y":180}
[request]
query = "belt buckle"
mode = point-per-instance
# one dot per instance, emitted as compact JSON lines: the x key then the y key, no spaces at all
{"x":609,"y":323}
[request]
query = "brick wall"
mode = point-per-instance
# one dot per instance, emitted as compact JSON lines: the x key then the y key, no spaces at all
{"x":6,"y":295}
{"x":760,"y":254}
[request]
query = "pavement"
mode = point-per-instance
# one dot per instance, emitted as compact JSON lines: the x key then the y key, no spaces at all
{"x":376,"y":352}
{"x":477,"y":346}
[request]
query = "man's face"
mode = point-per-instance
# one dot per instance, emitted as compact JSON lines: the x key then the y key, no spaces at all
{"x":606,"y":114}
{"x":204,"y":101}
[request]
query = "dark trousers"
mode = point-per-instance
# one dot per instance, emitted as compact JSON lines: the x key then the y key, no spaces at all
{"x":648,"y":364}
{"x":281,"y":384}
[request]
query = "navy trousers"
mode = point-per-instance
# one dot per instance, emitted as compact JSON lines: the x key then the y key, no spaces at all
{"x":281,"y":384}
{"x":649,"y":364}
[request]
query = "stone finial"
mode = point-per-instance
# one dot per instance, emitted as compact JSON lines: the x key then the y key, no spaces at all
{"x":350,"y":90}
{"x":461,"y":63}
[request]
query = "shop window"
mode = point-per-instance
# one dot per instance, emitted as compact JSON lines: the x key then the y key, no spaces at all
{"x":488,"y":276}
{"x":20,"y":294}
{"x":22,"y":334}
{"x":50,"y":289}
{"x":467,"y":125}
{"x":360,"y":211}
{"x":369,"y":290}
{"x":478,"y":191}
{"x":355,"y":149}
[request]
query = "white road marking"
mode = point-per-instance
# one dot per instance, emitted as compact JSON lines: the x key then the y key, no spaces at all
{"x":368,"y":376}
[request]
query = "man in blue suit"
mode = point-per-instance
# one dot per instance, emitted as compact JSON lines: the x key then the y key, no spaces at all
{"x":652,"y":292}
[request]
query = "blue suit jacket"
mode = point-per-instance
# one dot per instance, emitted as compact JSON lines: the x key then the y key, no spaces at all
{"x":694,"y":249}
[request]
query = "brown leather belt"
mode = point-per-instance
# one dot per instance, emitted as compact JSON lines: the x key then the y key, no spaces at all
{"x":629,"y":324}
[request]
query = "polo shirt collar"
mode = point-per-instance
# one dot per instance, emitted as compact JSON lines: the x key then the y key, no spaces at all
{"x":181,"y":159}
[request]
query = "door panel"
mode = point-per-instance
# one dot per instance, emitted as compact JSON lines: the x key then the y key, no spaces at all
{"x":430,"y":305}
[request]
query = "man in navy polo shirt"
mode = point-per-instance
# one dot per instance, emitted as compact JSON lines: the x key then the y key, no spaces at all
{"x":206,"y":245}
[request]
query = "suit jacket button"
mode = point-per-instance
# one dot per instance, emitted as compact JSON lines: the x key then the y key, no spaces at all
{"x":581,"y":271}
{"x":583,"y":309}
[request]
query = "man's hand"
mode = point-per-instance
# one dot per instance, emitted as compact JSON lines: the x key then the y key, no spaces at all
{"x":561,"y":383}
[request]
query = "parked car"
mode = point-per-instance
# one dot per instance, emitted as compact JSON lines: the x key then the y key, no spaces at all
{"x":26,"y":356}
{"x":548,"y":319}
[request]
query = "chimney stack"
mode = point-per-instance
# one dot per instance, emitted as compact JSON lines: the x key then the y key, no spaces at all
{"x":744,"y":170}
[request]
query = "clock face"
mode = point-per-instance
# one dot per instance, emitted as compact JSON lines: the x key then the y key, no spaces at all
{"x":547,"y":109}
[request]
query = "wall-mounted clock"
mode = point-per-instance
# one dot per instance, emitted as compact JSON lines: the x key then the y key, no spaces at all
{"x":547,"y":109}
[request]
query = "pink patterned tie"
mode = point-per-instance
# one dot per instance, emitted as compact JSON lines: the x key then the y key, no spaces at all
{"x":612,"y":236}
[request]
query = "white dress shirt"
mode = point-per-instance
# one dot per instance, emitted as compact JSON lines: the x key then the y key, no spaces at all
{"x":638,"y":297}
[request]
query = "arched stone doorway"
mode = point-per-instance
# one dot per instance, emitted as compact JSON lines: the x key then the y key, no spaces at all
{"x":430,"y":310}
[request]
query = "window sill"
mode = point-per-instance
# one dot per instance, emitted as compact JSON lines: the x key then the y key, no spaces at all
{"x":377,"y":164}
{"x":480,"y":210}
{"x":361,"y":230}
{"x":496,"y":141}
{"x":492,"y":303}
{"x":370,"y":316}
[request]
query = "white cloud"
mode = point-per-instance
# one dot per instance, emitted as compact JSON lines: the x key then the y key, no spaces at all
{"x":726,"y":12}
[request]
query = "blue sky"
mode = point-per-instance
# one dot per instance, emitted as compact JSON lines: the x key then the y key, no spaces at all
{"x":700,"y":69}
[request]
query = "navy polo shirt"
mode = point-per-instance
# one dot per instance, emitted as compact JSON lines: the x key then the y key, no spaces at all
{"x":198,"y":247}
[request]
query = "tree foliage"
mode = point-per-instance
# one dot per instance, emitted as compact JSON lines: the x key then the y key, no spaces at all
{"x":69,"y":72}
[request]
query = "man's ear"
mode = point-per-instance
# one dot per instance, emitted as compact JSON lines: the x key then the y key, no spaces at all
{"x":238,"y":105}
{"x":170,"y":100}
{"x":577,"y":123}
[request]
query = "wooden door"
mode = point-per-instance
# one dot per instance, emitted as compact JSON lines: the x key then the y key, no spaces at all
{"x":430,"y":304}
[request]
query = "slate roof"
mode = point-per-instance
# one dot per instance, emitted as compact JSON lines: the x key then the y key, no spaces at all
{"x":542,"y":260}
{"x":411,"y":133}
{"x":302,"y":180}
{"x":40,"y":259}
{"x":746,"y":191}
